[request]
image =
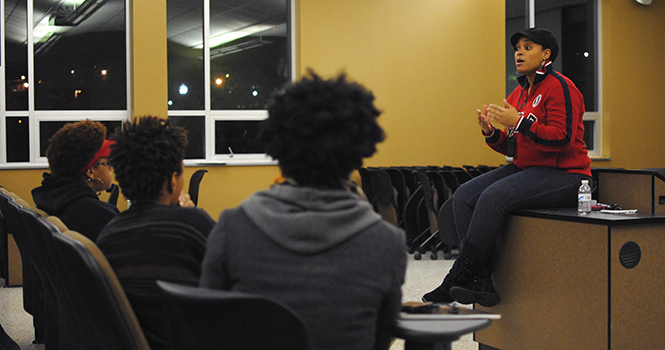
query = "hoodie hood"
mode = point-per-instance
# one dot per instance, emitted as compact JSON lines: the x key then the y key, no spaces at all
{"x":309,"y":220}
{"x":56,"y":193}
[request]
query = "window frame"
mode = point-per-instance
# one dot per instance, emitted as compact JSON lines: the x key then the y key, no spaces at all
{"x":212,"y":116}
{"x":36,"y":116}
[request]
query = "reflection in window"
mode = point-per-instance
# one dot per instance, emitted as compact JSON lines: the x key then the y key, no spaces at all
{"x":248,"y":53}
{"x":195,"y":126}
{"x":233,"y":137}
{"x":16,"y":55}
{"x":589,"y":138}
{"x":249,"y":47}
{"x":185,"y":54}
{"x":48,"y":128}
{"x":18,"y":139}
{"x":80,"y":55}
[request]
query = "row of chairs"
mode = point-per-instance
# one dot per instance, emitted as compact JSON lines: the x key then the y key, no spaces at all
{"x":76,"y":296}
{"x":73,"y":291}
{"x":114,"y":193}
{"x":418,"y":199}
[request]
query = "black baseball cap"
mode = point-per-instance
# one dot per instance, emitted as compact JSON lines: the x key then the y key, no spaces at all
{"x":539,"y":36}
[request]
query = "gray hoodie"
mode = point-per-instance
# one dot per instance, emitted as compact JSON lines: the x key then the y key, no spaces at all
{"x":287,"y":214}
{"x":324,"y":253}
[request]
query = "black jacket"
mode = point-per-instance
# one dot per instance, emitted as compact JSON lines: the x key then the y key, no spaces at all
{"x":75,"y":203}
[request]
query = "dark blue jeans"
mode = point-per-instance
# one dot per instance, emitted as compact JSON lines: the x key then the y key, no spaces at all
{"x":482,"y":204}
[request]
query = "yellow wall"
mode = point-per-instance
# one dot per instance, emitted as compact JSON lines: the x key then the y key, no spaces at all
{"x":430,"y":66}
{"x":633,"y":84}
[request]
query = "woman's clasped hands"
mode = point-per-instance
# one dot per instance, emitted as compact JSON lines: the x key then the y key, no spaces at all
{"x":505,"y":115}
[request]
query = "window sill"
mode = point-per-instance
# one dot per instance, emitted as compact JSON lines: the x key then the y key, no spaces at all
{"x":230,"y":162}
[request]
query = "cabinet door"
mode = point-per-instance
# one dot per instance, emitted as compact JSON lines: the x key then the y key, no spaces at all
{"x":637,"y":303}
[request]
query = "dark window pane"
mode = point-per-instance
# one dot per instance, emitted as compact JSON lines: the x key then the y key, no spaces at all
{"x":80,"y":55}
{"x":47,"y":129}
{"x":195,"y":126}
{"x":249,"y":55}
{"x":185,"y":54}
{"x":16,"y":55}
{"x":580,"y":58}
{"x":232,"y":137}
{"x":589,"y":132}
{"x":18,"y":139}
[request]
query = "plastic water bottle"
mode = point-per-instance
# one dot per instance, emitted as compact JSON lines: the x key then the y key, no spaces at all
{"x":584,"y":198}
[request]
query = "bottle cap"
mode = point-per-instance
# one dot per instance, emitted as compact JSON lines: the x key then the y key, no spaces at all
{"x":585,"y":181}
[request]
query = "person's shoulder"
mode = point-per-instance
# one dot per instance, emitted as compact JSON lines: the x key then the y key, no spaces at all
{"x":194,"y":211}
{"x":193,"y":215}
{"x":92,"y":204}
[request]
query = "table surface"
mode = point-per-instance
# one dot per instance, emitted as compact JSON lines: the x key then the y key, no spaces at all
{"x":595,"y":217}
{"x":437,"y":331}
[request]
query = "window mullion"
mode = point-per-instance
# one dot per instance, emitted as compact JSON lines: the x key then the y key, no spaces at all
{"x":34,"y":124}
{"x":209,"y":122}
{"x":3,"y":120}
{"x":128,"y":59}
{"x":531,"y":13}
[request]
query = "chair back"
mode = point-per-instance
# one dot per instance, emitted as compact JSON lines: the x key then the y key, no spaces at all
{"x":430,"y":196}
{"x":44,"y":260}
{"x":451,"y":180}
{"x":366,"y":184}
{"x":411,"y":216}
{"x":114,"y":193}
{"x":446,"y":219}
{"x":101,"y":301}
{"x":194,"y":183}
{"x":206,"y":319}
{"x":385,"y":195}
{"x":14,"y":224}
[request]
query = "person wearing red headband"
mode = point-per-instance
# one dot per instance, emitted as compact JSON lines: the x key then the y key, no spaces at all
{"x":78,"y":161}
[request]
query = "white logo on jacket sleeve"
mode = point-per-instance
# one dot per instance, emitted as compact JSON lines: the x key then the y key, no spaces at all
{"x":536,"y":100}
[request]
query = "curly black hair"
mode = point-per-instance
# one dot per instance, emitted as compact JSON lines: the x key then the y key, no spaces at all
{"x":147,"y":152}
{"x":73,"y":146}
{"x":320,"y":130}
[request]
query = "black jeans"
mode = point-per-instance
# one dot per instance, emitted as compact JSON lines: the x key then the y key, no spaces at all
{"x":482,"y":204}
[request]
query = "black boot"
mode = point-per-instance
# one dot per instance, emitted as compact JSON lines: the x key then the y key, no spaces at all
{"x":474,"y":285}
{"x":441,"y":293}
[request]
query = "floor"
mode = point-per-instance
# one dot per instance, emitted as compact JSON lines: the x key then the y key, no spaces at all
{"x":16,"y":322}
{"x":421,"y":277}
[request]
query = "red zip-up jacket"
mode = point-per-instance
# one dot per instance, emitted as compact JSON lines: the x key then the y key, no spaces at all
{"x":550,"y":131}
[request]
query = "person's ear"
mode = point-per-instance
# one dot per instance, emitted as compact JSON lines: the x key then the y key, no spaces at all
{"x":173,"y":183}
{"x":547,"y":54}
{"x":90,"y":175}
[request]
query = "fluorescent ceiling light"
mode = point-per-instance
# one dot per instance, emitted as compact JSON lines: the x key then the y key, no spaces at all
{"x":74,"y":2}
{"x":234,"y":35}
{"x":43,"y":30}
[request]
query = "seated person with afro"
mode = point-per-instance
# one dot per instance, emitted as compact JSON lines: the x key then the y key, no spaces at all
{"x":318,"y":245}
{"x":78,"y":159}
{"x":156,"y":238}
